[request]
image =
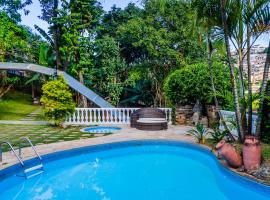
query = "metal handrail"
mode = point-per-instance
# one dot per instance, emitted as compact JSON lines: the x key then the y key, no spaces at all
{"x":32,"y":146}
{"x":12,"y":149}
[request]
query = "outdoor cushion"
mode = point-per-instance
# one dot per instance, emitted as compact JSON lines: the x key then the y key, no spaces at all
{"x":142,"y":120}
{"x":152,"y":119}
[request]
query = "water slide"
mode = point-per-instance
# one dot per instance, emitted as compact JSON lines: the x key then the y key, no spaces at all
{"x":72,"y":82}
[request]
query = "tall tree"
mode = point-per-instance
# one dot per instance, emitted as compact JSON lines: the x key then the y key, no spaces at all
{"x":50,"y":14}
{"x":107,"y":72}
{"x":245,"y":16}
{"x":224,"y":16}
{"x":12,"y":8}
{"x":207,"y":18}
{"x":79,"y":18}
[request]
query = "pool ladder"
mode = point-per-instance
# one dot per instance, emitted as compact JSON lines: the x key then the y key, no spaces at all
{"x":28,"y":172}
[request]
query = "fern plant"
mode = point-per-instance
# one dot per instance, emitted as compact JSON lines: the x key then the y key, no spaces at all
{"x":218,"y":135}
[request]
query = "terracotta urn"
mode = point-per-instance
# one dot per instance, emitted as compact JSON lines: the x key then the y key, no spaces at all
{"x":251,"y":153}
{"x":229,"y":153}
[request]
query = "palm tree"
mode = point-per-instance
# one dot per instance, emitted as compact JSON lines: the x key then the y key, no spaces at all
{"x":207,"y":20}
{"x":262,"y":92}
{"x":224,"y":15}
{"x":255,"y":11}
{"x":237,"y":16}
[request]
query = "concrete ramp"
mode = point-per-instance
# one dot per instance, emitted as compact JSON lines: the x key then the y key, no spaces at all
{"x":72,"y":82}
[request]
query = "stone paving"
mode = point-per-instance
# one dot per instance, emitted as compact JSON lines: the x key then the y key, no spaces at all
{"x":20,"y":122}
{"x":125,"y":134}
{"x":32,"y":116}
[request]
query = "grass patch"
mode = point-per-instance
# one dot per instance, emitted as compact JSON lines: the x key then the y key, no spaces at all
{"x":40,"y":134}
{"x":16,"y":105}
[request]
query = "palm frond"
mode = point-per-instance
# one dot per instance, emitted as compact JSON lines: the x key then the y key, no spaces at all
{"x":44,"y":34}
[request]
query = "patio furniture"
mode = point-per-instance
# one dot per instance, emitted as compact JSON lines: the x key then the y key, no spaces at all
{"x":150,"y":119}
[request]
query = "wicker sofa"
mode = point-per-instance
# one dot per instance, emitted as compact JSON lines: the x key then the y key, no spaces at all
{"x":151,"y":119}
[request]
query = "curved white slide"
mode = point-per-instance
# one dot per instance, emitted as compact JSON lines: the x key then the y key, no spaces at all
{"x":72,"y":82}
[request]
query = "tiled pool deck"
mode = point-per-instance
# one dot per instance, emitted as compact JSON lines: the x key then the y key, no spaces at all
{"x":125,"y":134}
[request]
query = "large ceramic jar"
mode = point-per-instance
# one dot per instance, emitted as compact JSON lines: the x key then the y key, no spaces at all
{"x":251,"y":153}
{"x":229,"y":153}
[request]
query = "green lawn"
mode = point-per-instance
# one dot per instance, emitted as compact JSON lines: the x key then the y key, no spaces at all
{"x":40,"y":134}
{"x":16,"y":105}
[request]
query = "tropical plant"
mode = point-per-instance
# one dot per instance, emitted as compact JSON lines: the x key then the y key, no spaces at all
{"x":57,"y":100}
{"x":240,"y":19}
{"x":199,"y":132}
{"x":225,"y":27}
{"x":138,"y":94}
{"x":245,"y":21}
{"x":217,"y":134}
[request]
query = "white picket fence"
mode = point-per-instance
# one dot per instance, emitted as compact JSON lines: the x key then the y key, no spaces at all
{"x":90,"y":116}
{"x":230,"y":116}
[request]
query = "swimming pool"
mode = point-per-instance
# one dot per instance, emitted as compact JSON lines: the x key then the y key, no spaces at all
{"x":134,"y":170}
{"x":101,"y":129}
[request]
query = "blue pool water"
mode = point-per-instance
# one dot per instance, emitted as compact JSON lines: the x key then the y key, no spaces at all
{"x":136,"y":170}
{"x":100,"y":129}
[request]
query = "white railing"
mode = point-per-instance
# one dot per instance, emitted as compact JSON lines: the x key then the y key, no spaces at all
{"x":90,"y":116}
{"x":229,"y":117}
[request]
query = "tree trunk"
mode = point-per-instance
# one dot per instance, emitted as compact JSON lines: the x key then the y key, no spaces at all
{"x":242,"y":88}
{"x":210,"y":66}
{"x":241,"y":72}
{"x":4,"y":90}
{"x":249,"y":99}
{"x":33,"y":90}
{"x":262,"y":92}
{"x":232,"y":75}
{"x":56,"y":37}
{"x":83,"y":98}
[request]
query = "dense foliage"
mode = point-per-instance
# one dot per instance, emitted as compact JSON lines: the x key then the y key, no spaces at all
{"x":106,"y":74}
{"x":266,"y":117}
{"x":17,"y":43}
{"x":57,"y":100}
{"x":192,"y":82}
{"x":124,"y":54}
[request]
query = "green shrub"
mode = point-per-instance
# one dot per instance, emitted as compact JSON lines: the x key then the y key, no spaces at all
{"x":57,"y":100}
{"x":192,"y":82}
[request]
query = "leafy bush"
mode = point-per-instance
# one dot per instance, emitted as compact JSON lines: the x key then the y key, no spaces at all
{"x":199,"y":132}
{"x":192,"y":82}
{"x":57,"y":100}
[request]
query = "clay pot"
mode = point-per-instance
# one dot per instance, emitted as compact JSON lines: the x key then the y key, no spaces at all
{"x":181,"y":119}
{"x":251,"y":153}
{"x":229,"y":153}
